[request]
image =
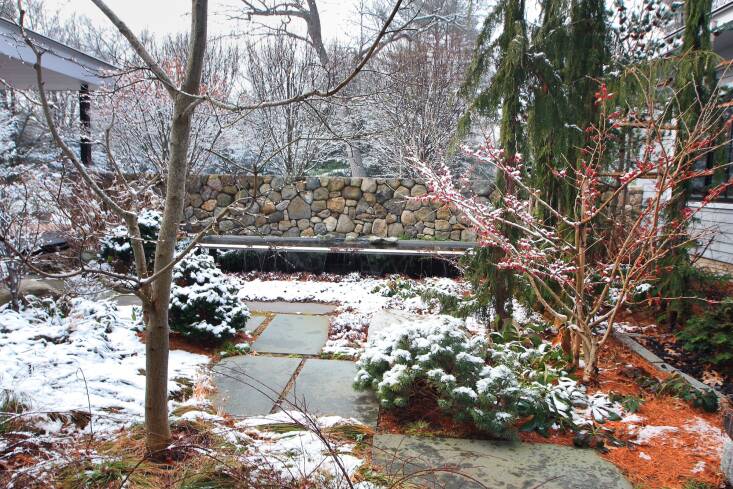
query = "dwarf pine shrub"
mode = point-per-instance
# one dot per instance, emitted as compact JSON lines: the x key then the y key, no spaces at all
{"x":491,"y":386}
{"x":116,"y":250}
{"x":204,"y":304}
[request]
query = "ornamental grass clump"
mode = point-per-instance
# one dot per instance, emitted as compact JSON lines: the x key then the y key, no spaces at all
{"x":204,"y":305}
{"x":492,"y":385}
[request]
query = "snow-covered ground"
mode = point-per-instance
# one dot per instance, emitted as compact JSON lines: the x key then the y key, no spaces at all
{"x":88,"y":358}
{"x":91,"y":359}
{"x":360,"y":299}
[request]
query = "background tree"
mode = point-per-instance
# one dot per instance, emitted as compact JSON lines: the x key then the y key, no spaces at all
{"x":415,"y":110}
{"x":296,"y":134}
{"x":695,"y":83}
{"x":504,"y":94}
{"x":139,"y":110}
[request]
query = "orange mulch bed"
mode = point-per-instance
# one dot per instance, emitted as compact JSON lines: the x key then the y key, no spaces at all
{"x":687,"y":445}
{"x":690,"y":449}
{"x":180,"y":342}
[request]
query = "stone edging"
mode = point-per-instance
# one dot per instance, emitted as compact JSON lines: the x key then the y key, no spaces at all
{"x":660,"y":364}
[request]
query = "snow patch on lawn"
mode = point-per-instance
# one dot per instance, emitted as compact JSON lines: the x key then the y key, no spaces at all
{"x":90,"y":357}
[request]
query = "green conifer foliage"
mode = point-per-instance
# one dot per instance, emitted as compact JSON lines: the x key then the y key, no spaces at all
{"x":695,"y":83}
{"x":547,"y":129}
{"x":504,"y":95}
{"x":587,"y":55}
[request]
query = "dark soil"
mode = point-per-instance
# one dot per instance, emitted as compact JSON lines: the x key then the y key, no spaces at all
{"x":665,"y":346}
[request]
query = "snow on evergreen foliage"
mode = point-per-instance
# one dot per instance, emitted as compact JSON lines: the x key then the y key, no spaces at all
{"x":8,"y":128}
{"x":204,"y":304}
{"x":115,"y":248}
{"x":492,"y":386}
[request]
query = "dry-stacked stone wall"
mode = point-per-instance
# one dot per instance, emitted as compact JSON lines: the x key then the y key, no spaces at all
{"x":319,"y":206}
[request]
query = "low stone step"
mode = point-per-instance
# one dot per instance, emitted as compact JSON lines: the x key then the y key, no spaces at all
{"x":498,"y":465}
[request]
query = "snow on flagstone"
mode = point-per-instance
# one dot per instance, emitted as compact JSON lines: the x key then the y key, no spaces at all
{"x":300,"y":453}
{"x":91,"y":357}
{"x":359,"y":299}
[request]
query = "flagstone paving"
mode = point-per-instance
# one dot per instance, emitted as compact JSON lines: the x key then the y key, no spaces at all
{"x":323,"y":387}
{"x":293,"y":334}
{"x":250,"y":386}
{"x":255,"y":322}
{"x":498,"y":465}
{"x":290,"y":307}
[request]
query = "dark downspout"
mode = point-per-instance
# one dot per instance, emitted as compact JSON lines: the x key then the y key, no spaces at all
{"x":85,"y":140}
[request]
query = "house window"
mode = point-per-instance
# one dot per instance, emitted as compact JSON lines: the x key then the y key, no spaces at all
{"x":700,"y":186}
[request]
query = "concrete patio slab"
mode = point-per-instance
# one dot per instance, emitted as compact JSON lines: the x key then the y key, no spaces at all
{"x":498,"y":465}
{"x":250,"y":385}
{"x":293,"y":334}
{"x":290,"y":307}
{"x":323,"y":387}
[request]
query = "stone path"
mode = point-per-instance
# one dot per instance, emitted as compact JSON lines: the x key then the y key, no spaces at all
{"x":290,"y":307}
{"x":293,"y":334}
{"x":285,"y":371}
{"x":498,"y":465}
{"x":250,"y":386}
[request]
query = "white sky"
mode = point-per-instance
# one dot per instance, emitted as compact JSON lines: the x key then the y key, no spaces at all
{"x":171,"y":16}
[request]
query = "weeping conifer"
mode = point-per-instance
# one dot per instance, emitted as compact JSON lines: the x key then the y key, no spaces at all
{"x":547,"y":128}
{"x":503,"y":95}
{"x":587,"y":55}
{"x":695,"y":83}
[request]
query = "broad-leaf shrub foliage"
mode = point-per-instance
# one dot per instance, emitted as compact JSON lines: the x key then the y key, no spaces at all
{"x":494,"y":387}
{"x":204,"y":304}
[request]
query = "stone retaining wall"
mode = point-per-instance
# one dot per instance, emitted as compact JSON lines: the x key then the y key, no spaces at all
{"x":313,"y":206}
{"x":335,"y":206}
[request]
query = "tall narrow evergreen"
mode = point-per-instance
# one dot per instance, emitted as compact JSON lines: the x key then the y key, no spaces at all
{"x":547,"y":128}
{"x":503,"y":96}
{"x":694,"y":82}
{"x":587,"y":56}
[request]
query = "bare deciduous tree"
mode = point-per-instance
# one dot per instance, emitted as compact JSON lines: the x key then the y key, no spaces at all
{"x":279,"y":67}
{"x":153,"y":286}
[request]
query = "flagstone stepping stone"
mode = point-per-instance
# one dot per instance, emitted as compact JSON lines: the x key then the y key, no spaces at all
{"x":499,"y":465}
{"x":323,"y":388}
{"x":290,"y":307}
{"x":128,"y":300}
{"x":255,"y":321}
{"x":250,"y":385}
{"x":293,"y":334}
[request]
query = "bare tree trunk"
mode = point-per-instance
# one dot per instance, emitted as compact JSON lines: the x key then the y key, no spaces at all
{"x":355,"y":162}
{"x":313,"y":21}
{"x":157,"y":346}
